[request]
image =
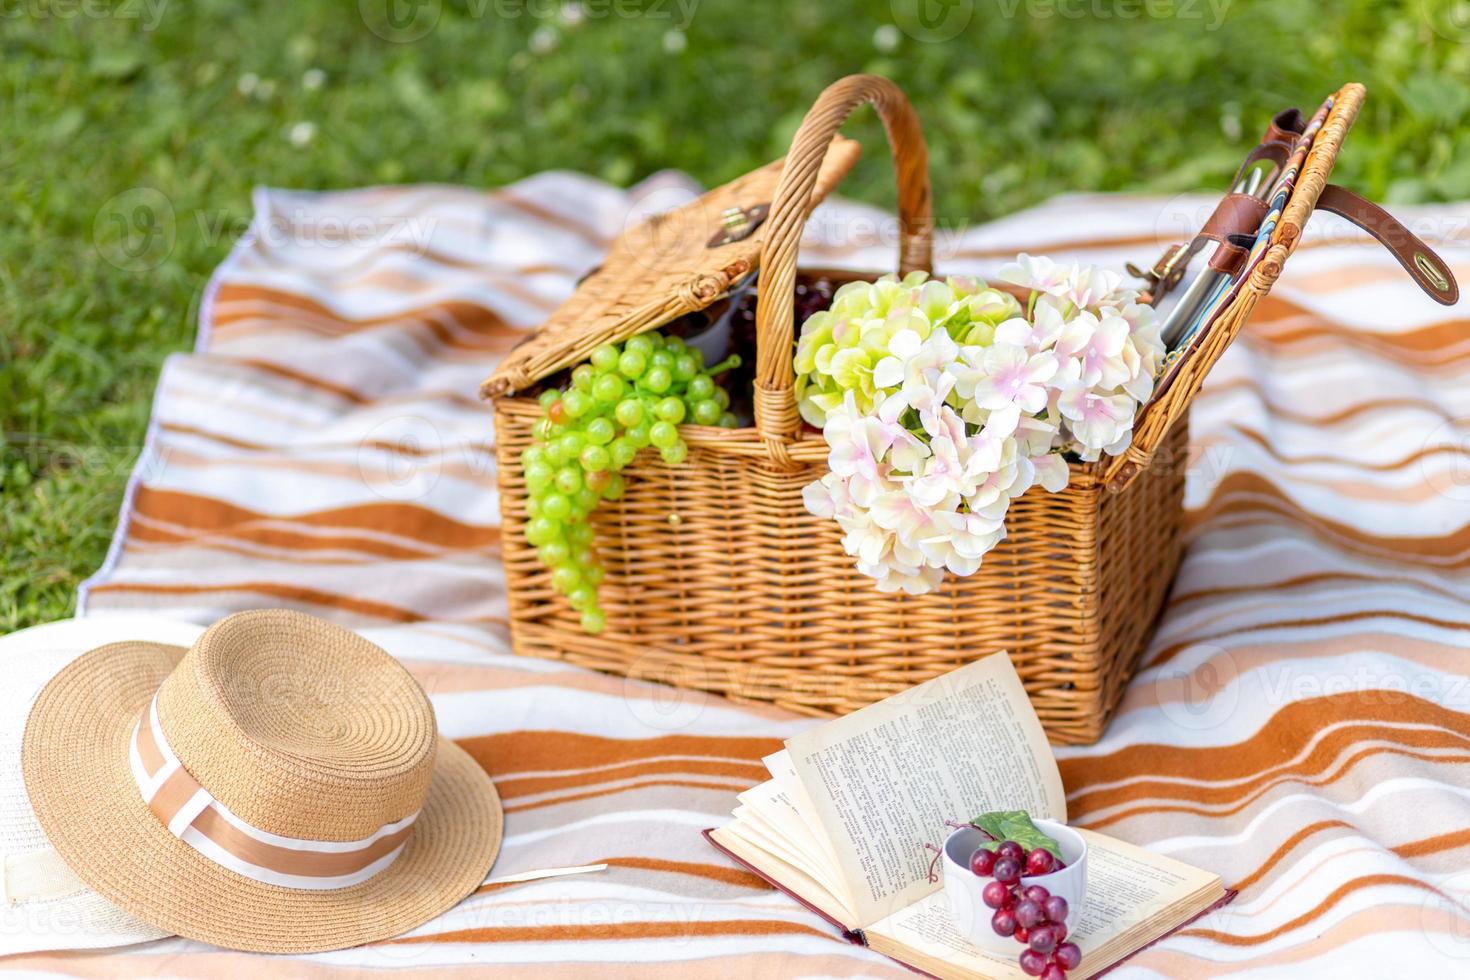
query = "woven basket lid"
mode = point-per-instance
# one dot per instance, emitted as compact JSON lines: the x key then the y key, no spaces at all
{"x":674,"y":263}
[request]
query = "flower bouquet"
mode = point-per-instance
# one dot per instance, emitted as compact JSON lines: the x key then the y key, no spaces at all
{"x":943,"y":401}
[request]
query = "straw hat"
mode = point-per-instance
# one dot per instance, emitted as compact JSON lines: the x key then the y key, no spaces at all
{"x":279,"y":786}
{"x":43,"y":904}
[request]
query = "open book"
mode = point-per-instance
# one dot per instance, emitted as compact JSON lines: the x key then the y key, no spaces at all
{"x":842,"y":823}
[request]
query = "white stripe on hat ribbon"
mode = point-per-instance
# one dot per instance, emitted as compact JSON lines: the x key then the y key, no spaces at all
{"x":194,"y":816}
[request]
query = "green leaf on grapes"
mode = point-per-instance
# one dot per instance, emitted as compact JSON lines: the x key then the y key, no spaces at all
{"x":1015,"y":825}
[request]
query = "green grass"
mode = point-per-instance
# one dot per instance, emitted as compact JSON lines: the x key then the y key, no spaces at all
{"x":150,"y":99}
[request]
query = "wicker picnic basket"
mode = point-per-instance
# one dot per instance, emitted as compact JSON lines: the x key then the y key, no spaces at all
{"x":717,"y":577}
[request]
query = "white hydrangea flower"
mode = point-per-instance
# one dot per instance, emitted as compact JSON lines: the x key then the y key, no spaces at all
{"x":942,"y":402}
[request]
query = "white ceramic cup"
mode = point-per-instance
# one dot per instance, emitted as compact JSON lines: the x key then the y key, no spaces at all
{"x":963,"y":887}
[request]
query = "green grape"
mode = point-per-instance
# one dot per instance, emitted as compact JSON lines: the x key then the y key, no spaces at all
{"x":663,"y":435}
{"x":728,"y":420}
{"x":703,"y":386}
{"x":570,"y":445}
{"x":625,"y":397}
{"x":554,"y":553}
{"x":632,"y":364}
{"x":541,"y":531}
{"x":706,"y":411}
{"x":539,"y":477}
{"x":600,"y":432}
{"x":629,"y":412}
{"x":605,"y":358}
{"x":576,"y":403}
{"x":566,"y":578}
{"x":569,"y":479}
{"x":685,"y":368}
{"x":621,"y":451}
{"x":595,"y":458}
{"x":658,"y":380}
{"x":608,"y":388}
{"x":556,"y":506}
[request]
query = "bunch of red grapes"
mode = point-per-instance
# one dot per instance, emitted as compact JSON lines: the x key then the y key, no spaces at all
{"x":1029,"y":913}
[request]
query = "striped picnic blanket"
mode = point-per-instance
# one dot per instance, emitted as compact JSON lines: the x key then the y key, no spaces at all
{"x":1301,"y":723}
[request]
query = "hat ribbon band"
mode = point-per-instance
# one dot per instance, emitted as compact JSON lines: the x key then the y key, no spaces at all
{"x":194,"y":816}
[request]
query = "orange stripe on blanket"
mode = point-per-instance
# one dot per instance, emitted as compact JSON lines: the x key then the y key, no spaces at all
{"x":1220,"y":811}
{"x":511,"y":787}
{"x":1316,"y":912}
{"x":295,"y":593}
{"x":629,"y":788}
{"x":1285,"y":413}
{"x":1296,"y":723}
{"x":387,"y":518}
{"x":541,"y":751}
{"x":622,"y":930}
{"x":1243,"y":492}
{"x":289,"y":543}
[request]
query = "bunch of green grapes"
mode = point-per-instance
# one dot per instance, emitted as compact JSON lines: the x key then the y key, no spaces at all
{"x":624,"y":398}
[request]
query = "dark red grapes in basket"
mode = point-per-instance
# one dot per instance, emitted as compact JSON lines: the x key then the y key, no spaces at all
{"x":1028,"y":913}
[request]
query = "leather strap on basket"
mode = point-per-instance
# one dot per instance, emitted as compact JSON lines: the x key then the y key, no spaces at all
{"x":776,"y":418}
{"x":1417,"y":258}
{"x":1312,"y":192}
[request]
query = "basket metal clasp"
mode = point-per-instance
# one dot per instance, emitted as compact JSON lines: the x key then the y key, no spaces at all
{"x":738,"y":224}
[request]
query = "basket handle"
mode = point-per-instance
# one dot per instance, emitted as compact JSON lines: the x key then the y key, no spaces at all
{"x":776,"y":417}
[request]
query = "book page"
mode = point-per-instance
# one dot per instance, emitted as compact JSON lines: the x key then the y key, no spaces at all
{"x":882,"y":781}
{"x":1133,"y":898}
{"x":792,"y":879}
{"x":769,"y":806}
{"x":783,"y":772}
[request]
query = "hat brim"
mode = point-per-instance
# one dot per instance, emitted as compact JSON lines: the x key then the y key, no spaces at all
{"x":75,"y":760}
